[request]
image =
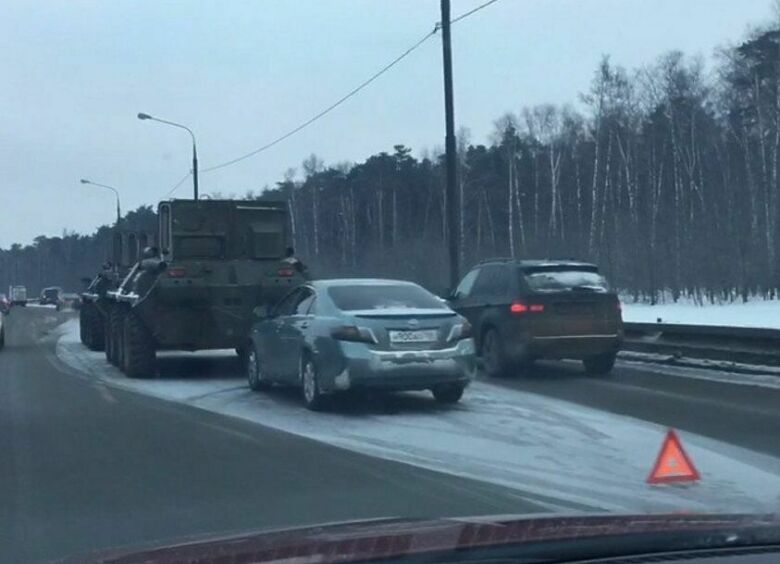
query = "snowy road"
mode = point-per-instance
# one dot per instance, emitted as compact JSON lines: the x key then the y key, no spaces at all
{"x":514,"y":434}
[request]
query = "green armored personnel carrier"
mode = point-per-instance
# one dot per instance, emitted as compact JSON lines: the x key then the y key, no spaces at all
{"x":126,"y":247}
{"x":217,"y":260}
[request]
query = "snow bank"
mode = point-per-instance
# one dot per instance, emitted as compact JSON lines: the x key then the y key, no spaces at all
{"x":759,"y":313}
{"x":568,"y":456}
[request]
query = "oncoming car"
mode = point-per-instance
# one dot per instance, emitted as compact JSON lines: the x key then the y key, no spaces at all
{"x":332,"y":336}
{"x":523,"y":310}
{"x":51,"y":296}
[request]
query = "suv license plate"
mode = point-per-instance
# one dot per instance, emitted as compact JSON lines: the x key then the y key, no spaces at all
{"x":427,"y":336}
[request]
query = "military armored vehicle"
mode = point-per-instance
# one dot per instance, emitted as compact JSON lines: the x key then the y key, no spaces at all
{"x":93,"y":311}
{"x":217,"y":261}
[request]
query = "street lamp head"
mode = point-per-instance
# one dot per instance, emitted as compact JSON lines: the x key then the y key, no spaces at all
{"x":84,"y":181}
{"x":144,"y":116}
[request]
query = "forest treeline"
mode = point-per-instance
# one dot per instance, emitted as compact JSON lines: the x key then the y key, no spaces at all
{"x":666,"y":176}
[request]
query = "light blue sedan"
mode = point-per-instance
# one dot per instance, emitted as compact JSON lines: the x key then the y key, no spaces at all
{"x":331,"y":336}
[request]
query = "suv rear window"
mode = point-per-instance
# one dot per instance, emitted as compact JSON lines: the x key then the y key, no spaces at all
{"x":565,"y":279}
{"x":384,"y":296}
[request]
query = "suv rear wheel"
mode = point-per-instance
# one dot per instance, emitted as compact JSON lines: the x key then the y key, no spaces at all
{"x":448,"y":393}
{"x":493,"y":357}
{"x":600,"y":364}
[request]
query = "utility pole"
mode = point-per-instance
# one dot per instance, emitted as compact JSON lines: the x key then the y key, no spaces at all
{"x":194,"y":168}
{"x":450,"y":149}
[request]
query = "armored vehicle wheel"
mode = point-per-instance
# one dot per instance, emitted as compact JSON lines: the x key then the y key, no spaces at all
{"x":107,"y":339}
{"x":139,"y":348}
{"x":91,"y":328}
{"x":95,"y":330}
{"x":83,"y":336}
{"x":114,"y":335}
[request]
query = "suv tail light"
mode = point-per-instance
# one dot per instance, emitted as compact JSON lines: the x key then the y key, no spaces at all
{"x":520,"y":307}
{"x":285,"y":272}
{"x":177,"y":272}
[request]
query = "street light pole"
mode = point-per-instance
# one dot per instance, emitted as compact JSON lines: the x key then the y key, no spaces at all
{"x":114,"y":190}
{"x":143,"y":116}
{"x":450,"y":149}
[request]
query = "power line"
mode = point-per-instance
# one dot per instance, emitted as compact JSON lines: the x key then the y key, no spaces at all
{"x":477,"y":9}
{"x":330,"y":108}
{"x":179,"y":183}
{"x":343,"y":99}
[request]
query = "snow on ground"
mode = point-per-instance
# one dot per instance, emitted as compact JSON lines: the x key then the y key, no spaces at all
{"x":560,"y":453}
{"x":757,"y":313}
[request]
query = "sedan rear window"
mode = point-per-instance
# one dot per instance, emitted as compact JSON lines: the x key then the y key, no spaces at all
{"x":383,"y":296}
{"x":569,"y":279}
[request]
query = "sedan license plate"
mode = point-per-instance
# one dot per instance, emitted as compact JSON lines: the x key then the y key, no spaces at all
{"x":426,"y":336}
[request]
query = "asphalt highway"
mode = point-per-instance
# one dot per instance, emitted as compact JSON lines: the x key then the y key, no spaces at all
{"x":745,"y":416}
{"x":83,"y":466}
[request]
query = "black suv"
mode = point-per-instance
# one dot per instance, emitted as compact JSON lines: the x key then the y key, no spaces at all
{"x":523,"y":310}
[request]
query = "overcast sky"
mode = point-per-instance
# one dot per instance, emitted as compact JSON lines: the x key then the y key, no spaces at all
{"x":73,"y":76}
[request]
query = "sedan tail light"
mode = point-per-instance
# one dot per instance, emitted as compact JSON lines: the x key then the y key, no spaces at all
{"x":521,"y":307}
{"x":177,"y":272}
{"x":354,"y":334}
{"x":460,"y":331}
{"x":285,"y":272}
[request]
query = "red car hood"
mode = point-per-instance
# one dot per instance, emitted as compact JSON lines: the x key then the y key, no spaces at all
{"x":523,"y":536}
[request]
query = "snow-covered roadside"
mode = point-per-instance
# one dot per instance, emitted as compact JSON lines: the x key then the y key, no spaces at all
{"x":701,"y":369}
{"x":757,"y":313}
{"x":536,"y":445}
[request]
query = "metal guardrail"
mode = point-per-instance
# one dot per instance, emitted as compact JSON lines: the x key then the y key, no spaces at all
{"x":746,"y":345}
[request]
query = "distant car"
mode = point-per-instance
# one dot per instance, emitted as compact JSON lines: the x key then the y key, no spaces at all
{"x":5,"y":303}
{"x":18,"y":295}
{"x":524,"y":310}
{"x":2,"y":329}
{"x":51,"y":296}
{"x":331,"y":336}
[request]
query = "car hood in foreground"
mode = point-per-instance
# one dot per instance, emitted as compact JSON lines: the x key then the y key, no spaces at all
{"x":519,"y":537}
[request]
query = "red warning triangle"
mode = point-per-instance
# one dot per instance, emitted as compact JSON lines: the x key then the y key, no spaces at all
{"x":673,"y":463}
